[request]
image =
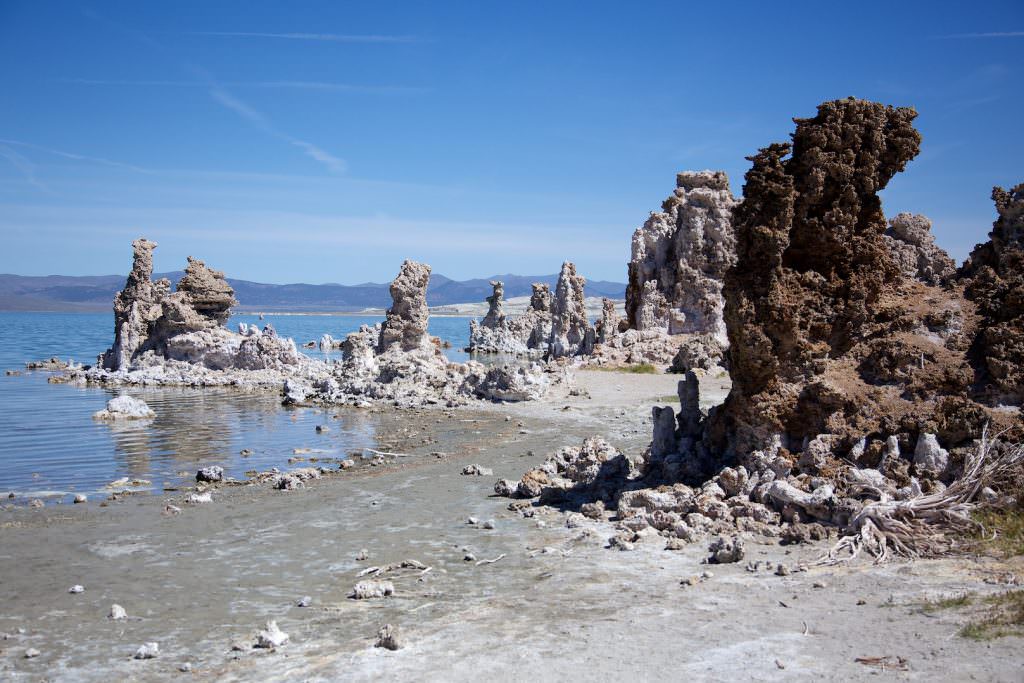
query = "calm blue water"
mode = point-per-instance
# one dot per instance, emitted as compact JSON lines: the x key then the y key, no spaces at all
{"x":51,"y":448}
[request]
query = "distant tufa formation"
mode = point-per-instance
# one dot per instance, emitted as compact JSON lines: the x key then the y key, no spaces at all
{"x":151,"y":323}
{"x":863,"y":368}
{"x":180,"y":338}
{"x":552,"y":327}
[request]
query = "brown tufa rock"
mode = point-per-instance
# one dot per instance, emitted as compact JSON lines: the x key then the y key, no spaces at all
{"x":406,"y":321}
{"x":994,"y":278}
{"x":827,"y":336}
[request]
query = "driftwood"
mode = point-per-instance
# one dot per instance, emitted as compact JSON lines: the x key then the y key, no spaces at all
{"x":405,"y":564}
{"x":923,"y":525}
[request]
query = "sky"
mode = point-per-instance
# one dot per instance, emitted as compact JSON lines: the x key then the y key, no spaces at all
{"x":326,"y":142}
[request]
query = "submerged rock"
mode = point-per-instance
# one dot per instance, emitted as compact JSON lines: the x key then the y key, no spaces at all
{"x":147,"y":651}
{"x":271,"y":636}
{"x":125,"y":408}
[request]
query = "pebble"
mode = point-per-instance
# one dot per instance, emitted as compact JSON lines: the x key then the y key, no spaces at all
{"x":469,"y":557}
{"x":77,"y":588}
{"x":185,"y":668}
{"x":80,"y":498}
{"x":366,"y":590}
{"x":271,"y":636}
{"x":117,"y":612}
{"x":322,"y":429}
{"x":304,"y":601}
{"x":363,"y":555}
{"x":147,"y":651}
{"x":245,"y":453}
{"x":706,"y":575}
{"x":31,"y":653}
{"x":489,"y":524}
{"x":212,"y":473}
{"x":346,"y":464}
{"x":820,"y":584}
{"x":472,"y":520}
{"x":199,"y":498}
{"x":389,"y":638}
{"x":36,"y":503}
{"x":782,"y":570}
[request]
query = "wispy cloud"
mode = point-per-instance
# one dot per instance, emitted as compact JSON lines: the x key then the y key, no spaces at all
{"x":993,"y":34}
{"x":321,"y":37}
{"x":283,"y":85}
{"x":26,"y":167}
{"x":76,"y":157}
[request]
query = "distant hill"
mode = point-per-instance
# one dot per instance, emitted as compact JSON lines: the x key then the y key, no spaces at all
{"x":96,"y":292}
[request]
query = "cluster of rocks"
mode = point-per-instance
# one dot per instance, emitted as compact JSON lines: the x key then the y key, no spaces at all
{"x":180,"y":338}
{"x":855,"y":377}
{"x":552,"y":326}
{"x":397,"y":361}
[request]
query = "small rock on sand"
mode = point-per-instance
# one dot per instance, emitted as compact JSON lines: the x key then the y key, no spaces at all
{"x":304,"y":601}
{"x":475,"y":470}
{"x":31,"y":653}
{"x":77,"y":588}
{"x":36,"y":503}
{"x":271,"y":636}
{"x":368,"y":590}
{"x":489,"y":524}
{"x":147,"y":651}
{"x":199,"y":498}
{"x":362,"y":556}
{"x":117,"y":613}
{"x":388,"y":638}
{"x":322,"y":429}
{"x":212,"y":473}
{"x":725,"y":550}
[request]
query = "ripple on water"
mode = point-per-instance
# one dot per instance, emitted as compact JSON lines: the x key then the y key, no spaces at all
{"x":50,"y":447}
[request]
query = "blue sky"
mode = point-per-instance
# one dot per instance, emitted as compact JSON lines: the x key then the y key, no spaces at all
{"x":327,"y":141}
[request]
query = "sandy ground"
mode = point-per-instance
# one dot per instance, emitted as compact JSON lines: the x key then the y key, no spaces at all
{"x":556,"y":606}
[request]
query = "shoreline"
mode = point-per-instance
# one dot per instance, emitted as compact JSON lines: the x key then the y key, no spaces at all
{"x":556,"y":605}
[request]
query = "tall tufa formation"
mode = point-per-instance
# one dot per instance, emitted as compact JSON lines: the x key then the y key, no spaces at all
{"x":826,"y":333}
{"x":994,"y":278}
{"x":495,"y":305}
{"x":136,"y":307}
{"x":571,"y":332}
{"x":406,"y":321}
{"x":682,"y":253}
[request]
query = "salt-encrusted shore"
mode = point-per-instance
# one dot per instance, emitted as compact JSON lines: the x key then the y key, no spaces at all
{"x":207,"y":579}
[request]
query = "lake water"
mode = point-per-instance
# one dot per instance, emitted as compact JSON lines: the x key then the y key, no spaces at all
{"x":51,"y":448}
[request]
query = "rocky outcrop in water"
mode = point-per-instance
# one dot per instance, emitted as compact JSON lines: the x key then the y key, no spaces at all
{"x":406,"y":366}
{"x":994,"y":280}
{"x":552,"y":327}
{"x":913,"y":247}
{"x":406,"y":321}
{"x":497,"y":334}
{"x":136,"y":307}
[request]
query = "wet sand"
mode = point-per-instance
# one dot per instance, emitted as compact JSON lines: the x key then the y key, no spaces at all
{"x":557,"y":606}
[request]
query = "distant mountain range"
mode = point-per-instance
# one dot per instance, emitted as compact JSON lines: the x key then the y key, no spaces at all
{"x":96,"y":292}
